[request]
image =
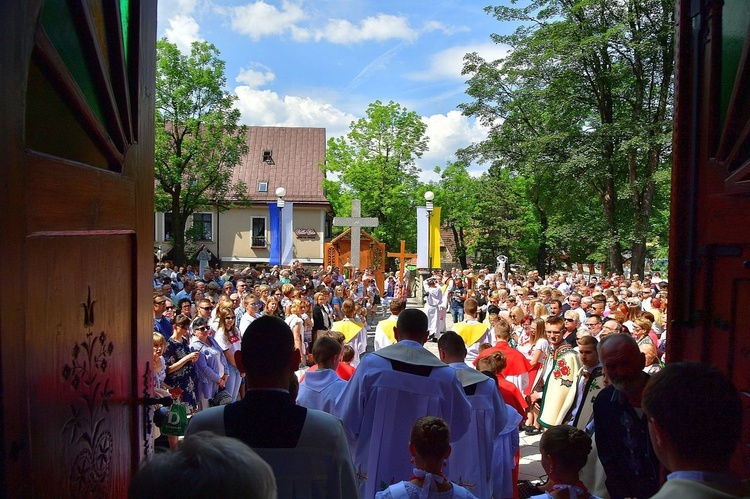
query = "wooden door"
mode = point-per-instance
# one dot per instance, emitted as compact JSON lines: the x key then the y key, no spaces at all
{"x":709,"y":261}
{"x":76,"y":191}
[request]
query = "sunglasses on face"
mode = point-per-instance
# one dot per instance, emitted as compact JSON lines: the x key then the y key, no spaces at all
{"x":202,"y":328}
{"x":171,"y":308}
{"x":205,"y":308}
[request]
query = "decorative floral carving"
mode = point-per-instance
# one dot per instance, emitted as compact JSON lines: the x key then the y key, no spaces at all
{"x":148,"y":413}
{"x":377,"y":257}
{"x":86,"y":374}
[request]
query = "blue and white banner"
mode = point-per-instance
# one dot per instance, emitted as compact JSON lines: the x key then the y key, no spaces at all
{"x":281,"y":227}
{"x":422,"y":235}
{"x":274,"y":229}
{"x":287,"y":233}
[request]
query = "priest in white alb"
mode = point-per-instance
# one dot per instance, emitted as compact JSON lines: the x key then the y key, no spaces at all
{"x":391,"y":389}
{"x":471,"y":458}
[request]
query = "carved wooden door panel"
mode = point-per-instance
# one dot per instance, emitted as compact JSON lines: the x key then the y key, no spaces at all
{"x":709,"y":266}
{"x":76,"y":191}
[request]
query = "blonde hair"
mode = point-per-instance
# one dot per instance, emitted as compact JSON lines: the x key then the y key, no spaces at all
{"x":159,"y":339}
{"x":296,"y":307}
{"x":539,"y":310}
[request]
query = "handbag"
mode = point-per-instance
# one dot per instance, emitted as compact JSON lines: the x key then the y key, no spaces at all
{"x":176,"y":423}
{"x":222,"y":397}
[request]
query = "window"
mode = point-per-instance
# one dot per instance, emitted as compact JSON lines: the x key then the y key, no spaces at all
{"x":258,"y":232}
{"x":203,"y":226}
{"x":267,"y":157}
{"x":167,"y":226}
{"x":263,"y":186}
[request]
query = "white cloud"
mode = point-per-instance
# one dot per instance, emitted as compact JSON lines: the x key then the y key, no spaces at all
{"x":267,"y":108}
{"x":379,"y":28}
{"x":183,"y":31}
{"x":448,"y":133}
{"x":167,"y":8}
{"x":260,"y":19}
{"x":378,"y":64}
{"x":448,"y":30}
{"x":256,"y":76}
{"x":448,"y":63}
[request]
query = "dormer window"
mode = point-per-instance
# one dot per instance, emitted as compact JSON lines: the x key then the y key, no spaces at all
{"x":263,"y":186}
{"x":268,"y":156}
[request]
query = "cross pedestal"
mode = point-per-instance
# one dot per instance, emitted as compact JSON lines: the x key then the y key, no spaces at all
{"x":356,"y":222}
{"x":402,"y":256}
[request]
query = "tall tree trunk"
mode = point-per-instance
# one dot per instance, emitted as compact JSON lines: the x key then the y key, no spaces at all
{"x":178,"y":231}
{"x":462,"y":249}
{"x":541,"y":253}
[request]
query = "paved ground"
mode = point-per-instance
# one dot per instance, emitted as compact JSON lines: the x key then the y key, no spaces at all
{"x":531,"y":465}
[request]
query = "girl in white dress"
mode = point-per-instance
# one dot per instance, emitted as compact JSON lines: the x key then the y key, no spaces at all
{"x":429,"y":446}
{"x":564,"y":450}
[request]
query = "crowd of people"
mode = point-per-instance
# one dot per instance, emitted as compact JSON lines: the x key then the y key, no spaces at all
{"x":282,"y":354}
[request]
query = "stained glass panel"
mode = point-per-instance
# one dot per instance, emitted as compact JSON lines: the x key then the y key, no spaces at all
{"x":47,"y":116}
{"x":125,"y":20}
{"x":97,"y":15}
{"x":59,"y":24}
{"x":734,"y":24}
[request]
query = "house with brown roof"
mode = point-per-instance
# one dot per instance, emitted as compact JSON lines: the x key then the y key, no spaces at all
{"x":263,"y":232}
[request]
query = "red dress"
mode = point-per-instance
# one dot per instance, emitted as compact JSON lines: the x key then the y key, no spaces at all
{"x":512,"y":395}
{"x":345,"y":371}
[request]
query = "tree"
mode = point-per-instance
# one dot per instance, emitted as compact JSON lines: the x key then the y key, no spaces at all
{"x":198,"y":139}
{"x":586,"y":92}
{"x":485,"y":214}
{"x":457,"y":195}
{"x":375,"y":163}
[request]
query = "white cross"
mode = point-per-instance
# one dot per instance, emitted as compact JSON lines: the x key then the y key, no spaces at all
{"x":356,"y":222}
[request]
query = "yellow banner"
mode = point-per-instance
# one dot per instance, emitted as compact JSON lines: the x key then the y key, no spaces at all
{"x":434,"y":250}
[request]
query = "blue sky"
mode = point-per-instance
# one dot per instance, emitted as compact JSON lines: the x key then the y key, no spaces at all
{"x":321,"y":63}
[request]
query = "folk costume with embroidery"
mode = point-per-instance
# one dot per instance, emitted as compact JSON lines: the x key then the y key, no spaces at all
{"x":559,"y":385}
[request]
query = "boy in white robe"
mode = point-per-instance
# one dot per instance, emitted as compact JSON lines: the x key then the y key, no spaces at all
{"x":320,"y":388}
{"x":384,"y":334}
{"x":355,"y":333}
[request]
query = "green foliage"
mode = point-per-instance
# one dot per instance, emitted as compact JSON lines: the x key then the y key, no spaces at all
{"x":375,"y":163}
{"x":580,"y":110}
{"x":198,"y":137}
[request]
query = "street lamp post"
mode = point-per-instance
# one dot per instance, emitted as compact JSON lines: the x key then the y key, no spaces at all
{"x":428,"y":197}
{"x":280,"y":193}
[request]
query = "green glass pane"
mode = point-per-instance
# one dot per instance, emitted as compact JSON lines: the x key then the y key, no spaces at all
{"x":125,"y":20}
{"x":97,"y":16}
{"x":735,"y":19}
{"x":57,"y":20}
{"x":62,"y":136}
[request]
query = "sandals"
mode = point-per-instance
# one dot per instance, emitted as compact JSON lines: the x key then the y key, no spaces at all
{"x":534,"y":431}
